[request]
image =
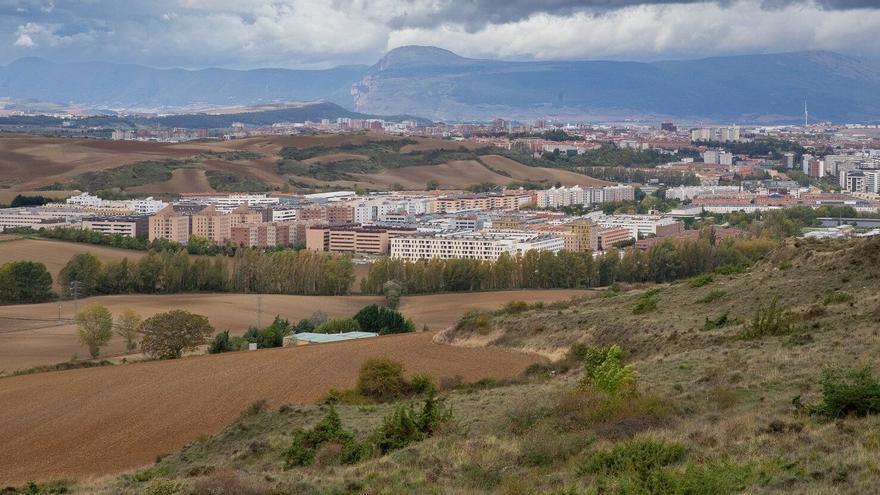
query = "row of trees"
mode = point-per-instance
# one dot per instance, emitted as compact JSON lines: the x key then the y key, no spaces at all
{"x":281,"y":272}
{"x":665,"y":261}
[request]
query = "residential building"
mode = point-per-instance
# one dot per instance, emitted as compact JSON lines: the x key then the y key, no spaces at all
{"x":131,"y":226}
{"x":212,"y":225}
{"x":352,"y":238}
{"x":170,"y":225}
{"x":484,"y":245}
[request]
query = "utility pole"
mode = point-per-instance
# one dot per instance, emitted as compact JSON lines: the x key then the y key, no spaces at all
{"x":75,"y":287}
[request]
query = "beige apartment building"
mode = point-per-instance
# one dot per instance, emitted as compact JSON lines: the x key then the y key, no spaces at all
{"x":352,"y":238}
{"x":244,"y":215}
{"x":484,"y":202}
{"x":212,"y":225}
{"x":170,"y":225}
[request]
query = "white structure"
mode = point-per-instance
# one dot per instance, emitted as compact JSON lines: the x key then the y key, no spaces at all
{"x":485,"y":245}
{"x":228,"y":202}
{"x":557,"y":197}
{"x":146,"y":206}
{"x":639,"y":225}
{"x":717,"y":157}
{"x":85,"y":200}
{"x":683,"y":193}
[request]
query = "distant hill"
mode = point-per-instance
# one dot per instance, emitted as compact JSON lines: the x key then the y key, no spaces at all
{"x":438,"y":84}
{"x":296,"y":113}
{"x":132,"y":86}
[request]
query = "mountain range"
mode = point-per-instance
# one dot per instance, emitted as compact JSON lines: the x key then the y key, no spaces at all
{"x":438,"y":84}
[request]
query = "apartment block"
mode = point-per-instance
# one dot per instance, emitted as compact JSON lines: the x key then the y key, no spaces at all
{"x":170,"y":225}
{"x":131,"y":226}
{"x":486,"y":245}
{"x":352,"y":238}
{"x":212,"y":225}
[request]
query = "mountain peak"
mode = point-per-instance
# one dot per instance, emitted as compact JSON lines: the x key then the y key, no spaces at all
{"x":417,"y":55}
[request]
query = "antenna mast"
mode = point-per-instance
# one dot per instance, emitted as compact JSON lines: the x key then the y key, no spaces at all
{"x":806,"y":115}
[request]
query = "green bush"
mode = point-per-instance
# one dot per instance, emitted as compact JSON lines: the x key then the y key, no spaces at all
{"x":513,"y":308}
{"x":306,"y":443}
{"x":604,"y":370}
{"x":381,"y":379}
{"x":221,"y":343}
{"x":339,"y":325}
{"x":848,"y":392}
{"x":769,"y":321}
{"x":721,"y":321}
{"x":406,"y":425}
{"x":475,"y":320}
{"x":382,"y":320}
{"x":701,"y":281}
{"x":354,"y":452}
{"x":633,"y":455}
{"x":647,"y":302}
{"x":423,"y":384}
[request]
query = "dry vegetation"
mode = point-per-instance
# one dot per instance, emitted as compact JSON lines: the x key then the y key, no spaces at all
{"x":715,"y":410}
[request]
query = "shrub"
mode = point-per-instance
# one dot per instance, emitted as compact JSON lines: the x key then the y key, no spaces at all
{"x":633,"y":455}
{"x":306,"y":443}
{"x":770,"y":320}
{"x":721,"y":321}
{"x":731,"y":269}
{"x":848,"y":392}
{"x":94,"y":327}
{"x":405,"y":425}
{"x":161,"y":486}
{"x":712,"y":296}
{"x":339,"y":325}
{"x":647,"y":302}
{"x":381,"y":379}
{"x":475,"y":321}
{"x":604,"y":370}
{"x":701,"y":281}
{"x":423,"y":384}
{"x":513,"y":308}
{"x":383,"y":320}
{"x":221,"y":343}
{"x":354,"y":452}
{"x":838,"y":297}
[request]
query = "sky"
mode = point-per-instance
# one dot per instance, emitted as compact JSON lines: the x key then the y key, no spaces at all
{"x":325,"y":33}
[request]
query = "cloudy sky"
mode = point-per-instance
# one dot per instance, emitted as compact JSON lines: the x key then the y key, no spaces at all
{"x":321,"y":33}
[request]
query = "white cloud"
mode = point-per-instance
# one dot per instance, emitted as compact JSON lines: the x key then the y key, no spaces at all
{"x":24,"y":40}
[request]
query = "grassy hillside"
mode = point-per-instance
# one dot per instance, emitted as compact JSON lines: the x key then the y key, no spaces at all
{"x":705,"y":404}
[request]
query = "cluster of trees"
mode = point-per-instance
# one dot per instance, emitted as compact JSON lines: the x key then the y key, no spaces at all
{"x":25,"y":282}
{"x":769,"y":147}
{"x":784,"y":222}
{"x":665,"y":261}
{"x":281,"y":272}
{"x":20,"y":200}
{"x":162,"y":336}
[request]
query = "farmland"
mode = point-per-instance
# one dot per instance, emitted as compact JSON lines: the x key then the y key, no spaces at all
{"x":58,"y":166}
{"x":124,"y":416}
{"x":27,"y":343}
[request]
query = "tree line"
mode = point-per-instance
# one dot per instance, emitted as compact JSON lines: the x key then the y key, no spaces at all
{"x":250,"y":270}
{"x":663,"y":262}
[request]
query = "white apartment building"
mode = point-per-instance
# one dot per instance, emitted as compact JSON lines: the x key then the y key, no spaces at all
{"x":639,"y":225}
{"x":85,"y":200}
{"x":683,"y":193}
{"x":288,"y":214}
{"x":483,"y":245}
{"x":718,"y":157}
{"x":146,"y":206}
{"x":228,"y":202}
{"x":38,"y":218}
{"x":557,"y":197}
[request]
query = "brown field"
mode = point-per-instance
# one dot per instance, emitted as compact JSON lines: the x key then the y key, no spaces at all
{"x":94,"y":422}
{"x":27,"y":343}
{"x":28,"y":163}
{"x":336,"y":157}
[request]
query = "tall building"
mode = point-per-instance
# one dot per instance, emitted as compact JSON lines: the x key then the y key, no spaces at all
{"x":170,"y":225}
{"x":212,"y":225}
{"x":243,"y":215}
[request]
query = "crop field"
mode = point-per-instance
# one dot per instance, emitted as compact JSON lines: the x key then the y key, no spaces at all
{"x":30,"y":335}
{"x":93,"y":422}
{"x":30,"y":164}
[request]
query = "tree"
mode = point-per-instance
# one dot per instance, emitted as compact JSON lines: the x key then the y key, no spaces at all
{"x":392,"y":291}
{"x":168,"y":335}
{"x":381,"y":379}
{"x":25,"y":282}
{"x":432,"y":185}
{"x":84,"y":268}
{"x":375,"y":318}
{"x":127,"y":325}
{"x":94,"y":327}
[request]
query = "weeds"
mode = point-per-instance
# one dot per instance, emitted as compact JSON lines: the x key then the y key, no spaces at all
{"x":701,"y":281}
{"x":847,"y":392}
{"x":712,"y":296}
{"x":769,"y":321}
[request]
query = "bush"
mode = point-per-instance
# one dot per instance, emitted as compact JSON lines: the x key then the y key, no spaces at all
{"x":633,"y":455}
{"x":475,"y":320}
{"x":513,"y":308}
{"x":306,"y":443}
{"x":423,"y":384}
{"x":718,"y":322}
{"x":701,"y":281}
{"x":647,"y":302}
{"x":221,"y":343}
{"x":381,"y":379}
{"x":604,"y":370}
{"x":382,"y":320}
{"x":712,"y":296}
{"x":771,"y":320}
{"x":405,"y":425}
{"x":848,"y":392}
{"x":339,"y":325}
{"x":838,"y":297}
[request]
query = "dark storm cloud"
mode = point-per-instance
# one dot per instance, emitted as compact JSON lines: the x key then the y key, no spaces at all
{"x":477,"y":13}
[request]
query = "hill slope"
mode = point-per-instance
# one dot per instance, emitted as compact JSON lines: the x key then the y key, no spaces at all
{"x":712,"y":412}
